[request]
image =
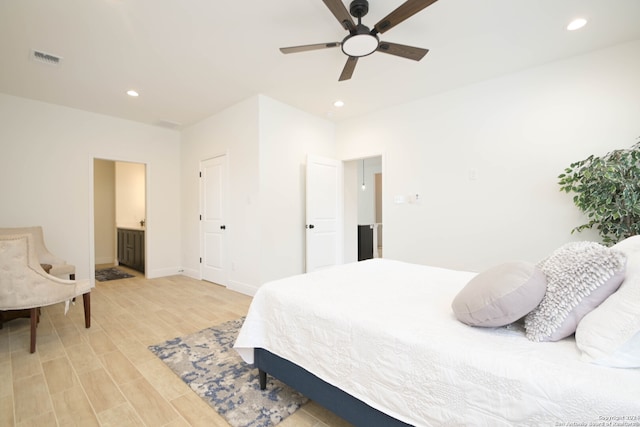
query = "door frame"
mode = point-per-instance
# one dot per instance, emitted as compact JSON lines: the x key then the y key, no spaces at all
{"x":350,"y":166}
{"x":148,"y":227}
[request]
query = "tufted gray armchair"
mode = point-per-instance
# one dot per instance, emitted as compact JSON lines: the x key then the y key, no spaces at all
{"x":24,"y":285}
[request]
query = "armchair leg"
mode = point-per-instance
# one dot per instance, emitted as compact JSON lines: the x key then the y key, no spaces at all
{"x":86,"y":301}
{"x":34,"y":315}
{"x":72,"y":276}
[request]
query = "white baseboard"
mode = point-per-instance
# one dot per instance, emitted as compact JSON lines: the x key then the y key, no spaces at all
{"x":106,"y":260}
{"x":243,"y":288}
{"x":163,"y":272}
{"x":190,"y":272}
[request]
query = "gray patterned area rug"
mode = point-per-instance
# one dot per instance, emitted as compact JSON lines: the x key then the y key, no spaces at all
{"x":207,"y":362}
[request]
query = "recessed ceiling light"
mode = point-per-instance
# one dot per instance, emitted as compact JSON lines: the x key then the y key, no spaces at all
{"x":132,"y":93}
{"x":338,"y":104}
{"x":576,"y":24}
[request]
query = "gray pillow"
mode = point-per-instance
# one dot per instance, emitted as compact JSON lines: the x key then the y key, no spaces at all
{"x":500,"y":295}
{"x":580,"y":275}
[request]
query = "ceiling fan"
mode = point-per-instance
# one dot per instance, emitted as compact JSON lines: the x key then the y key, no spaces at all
{"x":361,"y":41}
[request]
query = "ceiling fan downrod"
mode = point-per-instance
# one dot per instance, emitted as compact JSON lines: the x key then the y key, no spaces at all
{"x":359,"y":8}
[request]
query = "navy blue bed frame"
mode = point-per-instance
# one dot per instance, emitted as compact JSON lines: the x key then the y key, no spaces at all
{"x":339,"y":402}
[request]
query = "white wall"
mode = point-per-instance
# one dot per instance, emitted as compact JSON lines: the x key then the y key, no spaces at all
{"x":104,"y":208}
{"x":130,"y":194}
{"x":267,"y":143}
{"x":514,"y":135}
{"x":233,"y":132}
{"x":351,"y":190}
{"x":46,"y":178}
{"x":287,"y":136}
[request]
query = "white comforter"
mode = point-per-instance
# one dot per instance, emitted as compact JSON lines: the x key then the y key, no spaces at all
{"x":384,"y":332}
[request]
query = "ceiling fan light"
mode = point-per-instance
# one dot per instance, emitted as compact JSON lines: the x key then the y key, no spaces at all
{"x":360,"y":45}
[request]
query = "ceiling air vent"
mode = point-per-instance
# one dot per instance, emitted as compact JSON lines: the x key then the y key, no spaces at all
{"x":47,"y":58}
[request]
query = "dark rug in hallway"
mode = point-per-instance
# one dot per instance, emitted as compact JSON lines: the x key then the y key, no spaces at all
{"x":111,"y":273}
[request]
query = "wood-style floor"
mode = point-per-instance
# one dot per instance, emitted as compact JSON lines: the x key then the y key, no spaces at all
{"x":105,"y":375}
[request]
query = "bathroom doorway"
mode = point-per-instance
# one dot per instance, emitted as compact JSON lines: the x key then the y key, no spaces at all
{"x":119,"y":197}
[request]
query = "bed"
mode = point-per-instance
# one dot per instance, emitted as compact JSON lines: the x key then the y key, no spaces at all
{"x":377,"y":343}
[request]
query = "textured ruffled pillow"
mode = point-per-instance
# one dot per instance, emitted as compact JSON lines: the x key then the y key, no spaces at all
{"x":500,"y":295}
{"x":580,"y":275}
{"x":610,"y":334}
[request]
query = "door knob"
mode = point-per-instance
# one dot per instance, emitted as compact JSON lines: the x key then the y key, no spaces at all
{"x":223,"y":227}
{"x":311,"y":226}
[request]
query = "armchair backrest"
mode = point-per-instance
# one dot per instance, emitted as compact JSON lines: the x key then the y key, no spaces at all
{"x":23,"y":282}
{"x":43,"y":253}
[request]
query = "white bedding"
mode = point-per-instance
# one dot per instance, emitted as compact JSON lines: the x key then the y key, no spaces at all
{"x":384,"y":332}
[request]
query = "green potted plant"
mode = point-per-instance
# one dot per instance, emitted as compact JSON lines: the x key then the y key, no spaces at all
{"x":607,"y":190}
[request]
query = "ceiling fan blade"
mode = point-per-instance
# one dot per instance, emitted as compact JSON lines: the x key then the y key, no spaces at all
{"x":304,"y":48}
{"x":341,"y":13}
{"x":347,"y":71}
{"x":405,"y":11}
{"x":409,"y":52}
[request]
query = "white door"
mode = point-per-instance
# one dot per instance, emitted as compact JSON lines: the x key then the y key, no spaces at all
{"x":324,"y":213}
{"x":213,"y":201}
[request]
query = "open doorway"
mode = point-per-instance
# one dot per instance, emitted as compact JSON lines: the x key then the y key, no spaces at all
{"x":369,"y":194}
{"x":119,"y":215}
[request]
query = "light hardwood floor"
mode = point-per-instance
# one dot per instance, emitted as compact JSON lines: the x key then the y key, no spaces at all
{"x":105,"y":375}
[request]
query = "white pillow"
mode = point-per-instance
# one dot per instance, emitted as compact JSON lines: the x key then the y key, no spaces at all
{"x":580,"y":275}
{"x":500,"y":295}
{"x":610,"y":334}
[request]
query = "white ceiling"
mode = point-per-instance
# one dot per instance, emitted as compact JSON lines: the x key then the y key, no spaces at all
{"x":190,"y":59}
